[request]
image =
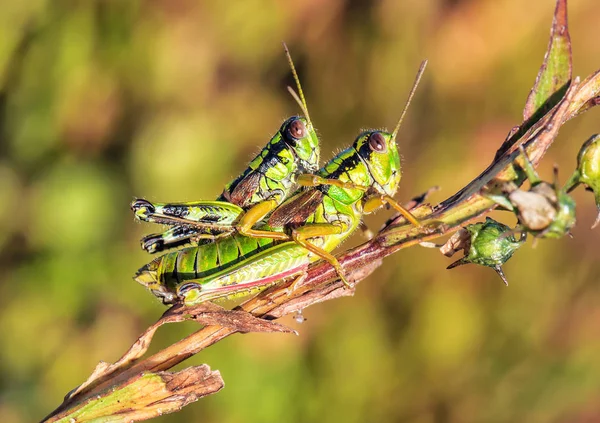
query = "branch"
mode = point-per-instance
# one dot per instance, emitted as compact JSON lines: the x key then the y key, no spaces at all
{"x":554,"y":100}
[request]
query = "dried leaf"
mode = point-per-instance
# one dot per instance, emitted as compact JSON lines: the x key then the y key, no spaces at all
{"x":593,"y":102}
{"x":241,"y":321}
{"x":461,"y":240}
{"x":145,"y":396}
{"x":555,"y":73}
{"x":586,"y":97}
{"x":311,"y":297}
{"x":206,"y":314}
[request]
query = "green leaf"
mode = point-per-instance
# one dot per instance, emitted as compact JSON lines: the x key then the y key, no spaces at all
{"x":555,"y":74}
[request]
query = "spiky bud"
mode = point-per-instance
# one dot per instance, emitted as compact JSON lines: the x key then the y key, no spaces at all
{"x":488,"y":243}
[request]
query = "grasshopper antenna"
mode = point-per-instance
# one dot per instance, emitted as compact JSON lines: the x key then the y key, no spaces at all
{"x":299,"y":98}
{"x":410,"y":97}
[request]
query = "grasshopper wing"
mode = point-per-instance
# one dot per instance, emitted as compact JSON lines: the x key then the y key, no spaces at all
{"x":240,"y":192}
{"x":297,"y":209}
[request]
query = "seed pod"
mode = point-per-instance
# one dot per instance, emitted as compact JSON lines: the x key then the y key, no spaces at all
{"x":488,"y":243}
{"x":544,"y":210}
{"x":588,"y":171}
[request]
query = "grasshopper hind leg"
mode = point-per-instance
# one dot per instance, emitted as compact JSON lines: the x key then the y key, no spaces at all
{"x":179,"y":236}
{"x":200,"y":214}
{"x":176,"y":237}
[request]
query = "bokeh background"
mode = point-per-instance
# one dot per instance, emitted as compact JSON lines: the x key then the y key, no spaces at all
{"x":105,"y":100}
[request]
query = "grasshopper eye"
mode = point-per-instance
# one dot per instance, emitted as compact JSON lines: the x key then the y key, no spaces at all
{"x":377,"y":142}
{"x":297,"y":129}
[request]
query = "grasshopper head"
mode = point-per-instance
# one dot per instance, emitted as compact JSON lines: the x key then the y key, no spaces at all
{"x":380,"y":153}
{"x":300,"y":135}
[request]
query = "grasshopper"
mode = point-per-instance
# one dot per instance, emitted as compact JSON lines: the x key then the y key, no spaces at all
{"x":269,"y":179}
{"x":305,"y":228}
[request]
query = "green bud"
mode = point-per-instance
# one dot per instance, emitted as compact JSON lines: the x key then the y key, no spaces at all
{"x":588,"y":163}
{"x":490,"y":244}
{"x":588,"y":171}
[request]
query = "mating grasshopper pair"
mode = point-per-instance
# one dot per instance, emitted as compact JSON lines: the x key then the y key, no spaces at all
{"x":259,"y":231}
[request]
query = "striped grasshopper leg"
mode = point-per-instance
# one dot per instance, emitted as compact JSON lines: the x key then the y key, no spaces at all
{"x":204,"y":214}
{"x":178,"y":236}
{"x":196,"y":221}
{"x":216,"y":219}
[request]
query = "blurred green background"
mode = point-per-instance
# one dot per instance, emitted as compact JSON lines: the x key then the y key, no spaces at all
{"x":105,"y":100}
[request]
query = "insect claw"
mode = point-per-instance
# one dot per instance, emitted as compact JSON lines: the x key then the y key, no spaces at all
{"x":347,"y":284}
{"x":142,"y":209}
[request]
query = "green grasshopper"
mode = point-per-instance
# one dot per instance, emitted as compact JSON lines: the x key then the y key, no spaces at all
{"x":305,"y":228}
{"x":269,"y":179}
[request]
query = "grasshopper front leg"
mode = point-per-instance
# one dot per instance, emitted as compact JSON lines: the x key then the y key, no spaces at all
{"x":371,"y":205}
{"x":375,"y":203}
